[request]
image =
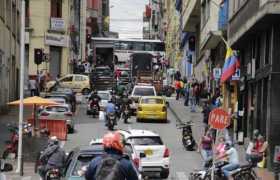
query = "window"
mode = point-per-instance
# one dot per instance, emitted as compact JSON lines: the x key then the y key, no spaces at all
{"x":104,"y":96}
{"x":152,"y":101}
{"x":67,"y":79}
{"x":138,"y":46}
{"x":56,"y":8}
{"x":144,"y":92}
{"x":205,"y":11}
{"x":148,"y":46}
{"x":79,"y":78}
{"x":145,"y":141}
{"x":159,"y":47}
{"x":267,"y":47}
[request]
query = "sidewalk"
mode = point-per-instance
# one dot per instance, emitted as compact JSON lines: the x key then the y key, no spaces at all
{"x":184,"y":114}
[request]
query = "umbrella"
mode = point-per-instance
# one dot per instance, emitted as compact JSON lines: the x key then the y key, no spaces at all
{"x":35,"y":100}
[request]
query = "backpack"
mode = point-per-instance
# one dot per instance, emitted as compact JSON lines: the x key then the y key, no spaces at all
{"x":109,"y":169}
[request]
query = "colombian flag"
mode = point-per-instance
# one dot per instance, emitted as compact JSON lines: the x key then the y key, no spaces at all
{"x":231,"y":65}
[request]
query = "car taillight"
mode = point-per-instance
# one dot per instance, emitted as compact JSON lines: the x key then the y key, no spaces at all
{"x":136,"y":162}
{"x":166,"y":153}
{"x":139,"y":108}
{"x":45,"y":114}
{"x":163,"y":109}
{"x":68,"y":114}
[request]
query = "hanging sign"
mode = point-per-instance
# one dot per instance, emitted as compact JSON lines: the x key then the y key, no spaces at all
{"x":219,"y":119}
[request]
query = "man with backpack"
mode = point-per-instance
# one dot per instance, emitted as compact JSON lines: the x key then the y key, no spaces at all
{"x":113,"y":165}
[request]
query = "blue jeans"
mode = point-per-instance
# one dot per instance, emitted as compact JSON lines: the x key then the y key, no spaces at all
{"x":228,"y":168}
{"x":206,"y":155}
{"x":192,"y":99}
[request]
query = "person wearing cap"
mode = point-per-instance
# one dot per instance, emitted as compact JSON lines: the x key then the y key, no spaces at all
{"x":113,"y":146}
{"x":52,"y":157}
{"x":233,"y":160}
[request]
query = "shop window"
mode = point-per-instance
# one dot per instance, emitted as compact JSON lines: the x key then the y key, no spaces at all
{"x":56,"y":8}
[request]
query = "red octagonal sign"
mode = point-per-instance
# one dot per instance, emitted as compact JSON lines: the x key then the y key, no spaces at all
{"x":219,"y":119}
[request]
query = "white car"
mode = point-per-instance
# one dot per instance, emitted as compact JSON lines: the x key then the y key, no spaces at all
{"x":105,"y":97}
{"x":129,"y":150}
{"x":59,"y":112}
{"x":156,"y":157}
{"x":139,"y":91}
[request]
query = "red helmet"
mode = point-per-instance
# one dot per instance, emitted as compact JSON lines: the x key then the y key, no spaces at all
{"x":113,"y":140}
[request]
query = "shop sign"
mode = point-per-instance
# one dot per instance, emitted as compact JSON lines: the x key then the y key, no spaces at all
{"x":236,"y":76}
{"x":219,"y":119}
{"x":57,"y":24}
{"x":217,"y":72}
{"x":56,"y":40}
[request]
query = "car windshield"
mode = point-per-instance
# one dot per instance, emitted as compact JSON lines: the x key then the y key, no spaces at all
{"x":144,"y":92}
{"x":145,"y":141}
{"x":82,"y":160}
{"x":57,"y":109}
{"x":152,"y":101}
{"x":104,"y":96}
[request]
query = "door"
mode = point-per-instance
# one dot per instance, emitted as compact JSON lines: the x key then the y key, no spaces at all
{"x":55,"y":61}
{"x":67,"y":82}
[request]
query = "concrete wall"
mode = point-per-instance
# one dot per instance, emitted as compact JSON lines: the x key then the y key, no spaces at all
{"x":40,"y":24}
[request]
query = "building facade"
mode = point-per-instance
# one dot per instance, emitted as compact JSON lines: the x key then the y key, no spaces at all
{"x":9,"y":51}
{"x":51,"y":26}
{"x":254,"y":31}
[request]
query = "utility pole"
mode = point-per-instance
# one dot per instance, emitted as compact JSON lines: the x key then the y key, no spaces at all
{"x":22,"y":41}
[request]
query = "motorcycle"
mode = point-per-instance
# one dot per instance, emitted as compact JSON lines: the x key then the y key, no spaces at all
{"x":187,"y":138}
{"x":126,"y":114}
{"x":93,"y":108}
{"x":53,"y":174}
{"x":111,"y":121}
{"x":12,"y":144}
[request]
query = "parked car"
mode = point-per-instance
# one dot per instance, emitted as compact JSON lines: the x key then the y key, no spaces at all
{"x":139,"y":91}
{"x":157,"y":155}
{"x":77,"y":82}
{"x":58,"y":98}
{"x":128,"y":150}
{"x":59,"y":112}
{"x":152,"y":108}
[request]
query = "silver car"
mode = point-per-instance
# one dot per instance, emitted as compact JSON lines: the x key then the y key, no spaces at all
{"x":59,"y":112}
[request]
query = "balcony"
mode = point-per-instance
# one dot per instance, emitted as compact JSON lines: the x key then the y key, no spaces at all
{"x":57,"y":24}
{"x":191,"y":15}
{"x":251,"y":16}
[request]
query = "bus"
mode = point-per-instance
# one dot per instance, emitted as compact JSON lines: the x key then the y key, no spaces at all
{"x":123,"y":48}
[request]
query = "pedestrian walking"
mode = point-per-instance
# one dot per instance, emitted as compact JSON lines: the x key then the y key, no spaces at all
{"x":192,"y":98}
{"x":33,"y":87}
{"x":205,"y":148}
{"x":178,"y":89}
{"x":206,"y":111}
{"x":196,"y":94}
{"x":186,"y":95}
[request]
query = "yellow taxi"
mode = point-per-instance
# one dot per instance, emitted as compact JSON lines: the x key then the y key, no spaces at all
{"x":77,"y":82}
{"x":152,"y":108}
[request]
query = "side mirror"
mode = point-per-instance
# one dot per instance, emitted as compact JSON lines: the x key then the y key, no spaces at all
{"x":142,"y":155}
{"x":6,"y":167}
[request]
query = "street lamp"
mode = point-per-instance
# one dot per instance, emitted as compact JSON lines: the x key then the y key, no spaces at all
{"x":22,"y":31}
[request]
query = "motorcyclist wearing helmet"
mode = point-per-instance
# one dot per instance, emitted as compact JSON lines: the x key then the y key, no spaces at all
{"x":233,"y":163}
{"x":94,"y":99}
{"x":52,"y":157}
{"x":113,"y":146}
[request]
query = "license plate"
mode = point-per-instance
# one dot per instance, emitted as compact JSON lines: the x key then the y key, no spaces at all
{"x":148,"y":152}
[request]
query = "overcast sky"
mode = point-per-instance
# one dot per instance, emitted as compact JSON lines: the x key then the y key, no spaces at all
{"x":126,"y":17}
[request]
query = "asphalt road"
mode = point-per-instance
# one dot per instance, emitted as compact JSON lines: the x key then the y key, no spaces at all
{"x":182,"y":162}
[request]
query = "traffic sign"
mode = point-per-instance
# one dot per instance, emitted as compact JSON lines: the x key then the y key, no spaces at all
{"x":219,"y":119}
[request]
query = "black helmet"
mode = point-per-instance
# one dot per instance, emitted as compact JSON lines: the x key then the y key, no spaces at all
{"x":228,"y":145}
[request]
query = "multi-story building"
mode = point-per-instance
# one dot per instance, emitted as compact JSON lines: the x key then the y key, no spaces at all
{"x":9,"y":51}
{"x":254,"y":31}
{"x":153,"y":20}
{"x":49,"y":26}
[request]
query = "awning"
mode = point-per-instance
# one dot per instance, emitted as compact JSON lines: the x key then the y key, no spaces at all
{"x":178,"y":5}
{"x":212,"y":40}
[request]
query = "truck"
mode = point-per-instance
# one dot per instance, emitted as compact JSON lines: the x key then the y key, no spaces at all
{"x":142,"y":71}
{"x":102,"y":75}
